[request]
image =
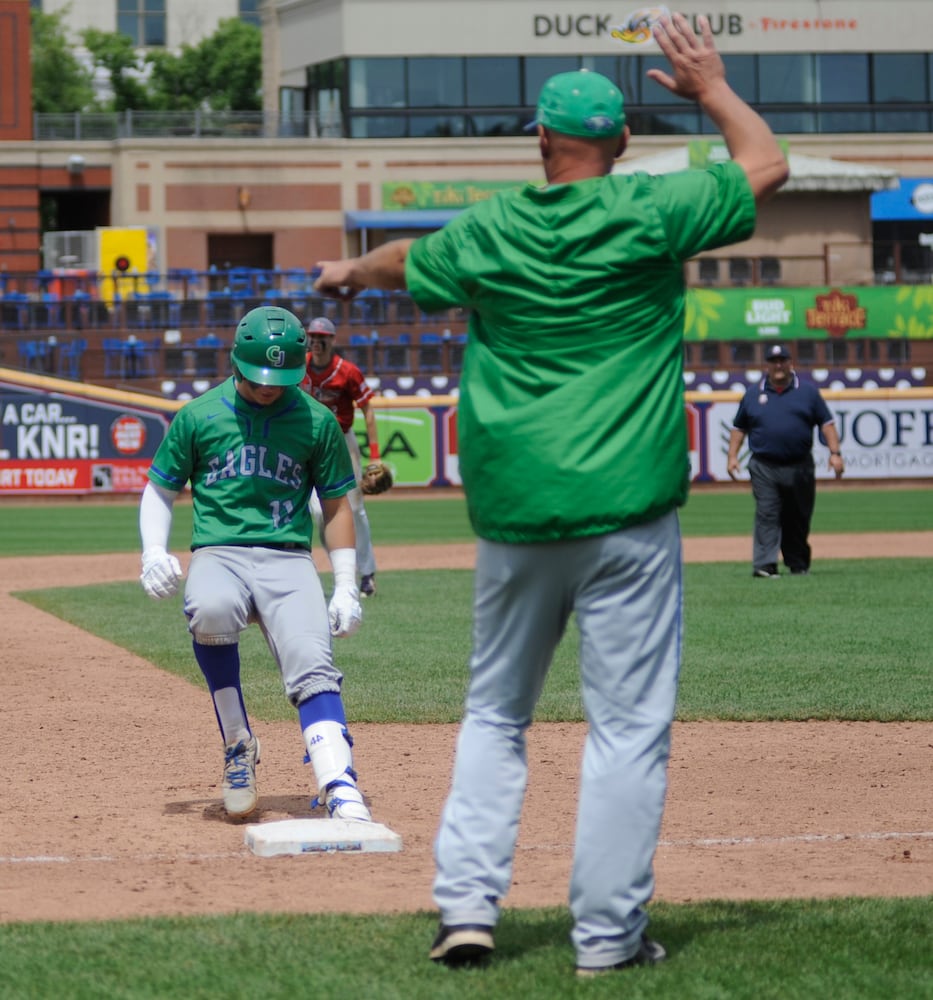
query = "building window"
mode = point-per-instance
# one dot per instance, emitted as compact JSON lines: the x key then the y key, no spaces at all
{"x":249,"y":12}
{"x":490,"y":95}
{"x":143,"y":21}
{"x":431,"y":126}
{"x":842,"y":78}
{"x":496,"y":124}
{"x":899,"y":79}
{"x":326,"y":89}
{"x":742,"y":76}
{"x":786,"y":79}
{"x":377,"y":83}
{"x":493,"y":82}
{"x":379,"y":126}
{"x":435,"y":83}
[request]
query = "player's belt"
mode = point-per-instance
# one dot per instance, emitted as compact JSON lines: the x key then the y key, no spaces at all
{"x":278,"y":546}
{"x":282,"y":546}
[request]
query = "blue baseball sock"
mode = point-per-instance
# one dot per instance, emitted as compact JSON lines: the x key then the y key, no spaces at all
{"x":324,"y":707}
{"x":221,"y":668}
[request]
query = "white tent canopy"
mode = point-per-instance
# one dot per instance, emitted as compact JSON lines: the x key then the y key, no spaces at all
{"x":807,"y":173}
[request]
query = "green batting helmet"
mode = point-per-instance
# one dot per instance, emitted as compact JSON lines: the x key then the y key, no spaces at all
{"x":269,"y":347}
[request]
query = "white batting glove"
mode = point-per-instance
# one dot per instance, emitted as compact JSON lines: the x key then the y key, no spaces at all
{"x":344,"y":612}
{"x":161,"y":573}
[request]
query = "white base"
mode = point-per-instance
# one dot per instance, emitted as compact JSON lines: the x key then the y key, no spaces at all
{"x":313,"y":836}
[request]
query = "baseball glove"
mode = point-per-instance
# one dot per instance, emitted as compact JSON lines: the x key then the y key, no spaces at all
{"x":377,"y":478}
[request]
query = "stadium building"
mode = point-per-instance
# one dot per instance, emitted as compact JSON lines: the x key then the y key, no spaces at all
{"x":383,"y":119}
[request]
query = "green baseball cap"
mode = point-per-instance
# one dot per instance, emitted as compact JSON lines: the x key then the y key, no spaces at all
{"x":582,"y":103}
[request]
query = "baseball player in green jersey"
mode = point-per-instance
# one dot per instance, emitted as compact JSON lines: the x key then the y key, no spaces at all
{"x":573,"y":453}
{"x":252,"y":449}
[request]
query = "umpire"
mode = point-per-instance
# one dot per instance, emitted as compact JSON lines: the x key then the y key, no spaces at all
{"x":778,"y":415}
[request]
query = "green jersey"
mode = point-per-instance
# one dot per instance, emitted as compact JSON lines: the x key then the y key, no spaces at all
{"x":252,"y":468}
{"x":571,"y":415}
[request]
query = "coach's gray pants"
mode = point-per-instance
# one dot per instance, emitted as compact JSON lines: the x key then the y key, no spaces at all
{"x":625,"y":589}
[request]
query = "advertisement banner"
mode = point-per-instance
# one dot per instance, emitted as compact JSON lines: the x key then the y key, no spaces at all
{"x":59,"y":444}
{"x":408,"y":195}
{"x":407,"y":443}
{"x":879,"y":438}
{"x":902,"y":311}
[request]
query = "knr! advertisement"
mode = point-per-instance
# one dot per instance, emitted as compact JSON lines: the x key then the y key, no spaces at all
{"x":57,"y":444}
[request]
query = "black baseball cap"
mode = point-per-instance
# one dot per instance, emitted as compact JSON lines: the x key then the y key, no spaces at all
{"x":776,"y":351}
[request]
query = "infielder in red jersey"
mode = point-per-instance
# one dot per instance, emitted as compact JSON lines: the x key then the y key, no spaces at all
{"x":340,"y":385}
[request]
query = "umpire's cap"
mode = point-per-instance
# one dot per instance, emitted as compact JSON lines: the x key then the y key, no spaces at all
{"x":776,"y":351}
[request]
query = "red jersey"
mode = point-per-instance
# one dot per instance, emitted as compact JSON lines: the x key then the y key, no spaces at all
{"x":338,"y":387}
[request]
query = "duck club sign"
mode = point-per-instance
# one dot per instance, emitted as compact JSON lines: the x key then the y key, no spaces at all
{"x":635,"y":29}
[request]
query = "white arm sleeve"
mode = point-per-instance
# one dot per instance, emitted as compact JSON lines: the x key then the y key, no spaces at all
{"x":155,"y":516}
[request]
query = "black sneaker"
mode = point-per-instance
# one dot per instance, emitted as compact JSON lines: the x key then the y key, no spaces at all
{"x":368,"y":585}
{"x":463,"y":944}
{"x":649,"y":953}
{"x":769,"y":572}
{"x":800,"y":572}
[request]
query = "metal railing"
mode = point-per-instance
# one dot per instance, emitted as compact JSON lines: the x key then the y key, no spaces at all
{"x":181,"y":124}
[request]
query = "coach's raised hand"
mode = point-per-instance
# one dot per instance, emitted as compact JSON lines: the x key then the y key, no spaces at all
{"x":698,"y":74}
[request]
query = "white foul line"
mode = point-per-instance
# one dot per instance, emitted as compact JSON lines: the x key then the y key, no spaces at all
{"x":801,"y":838}
{"x":53,"y":859}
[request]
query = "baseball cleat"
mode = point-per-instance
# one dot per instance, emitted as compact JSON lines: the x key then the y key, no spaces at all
{"x":649,"y":953}
{"x":368,"y":585}
{"x":462,"y":944}
{"x":343,"y":800}
{"x":767,"y":572}
{"x":239,"y":785}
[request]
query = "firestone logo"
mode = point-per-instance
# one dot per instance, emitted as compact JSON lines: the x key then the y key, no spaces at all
{"x":837,"y":313}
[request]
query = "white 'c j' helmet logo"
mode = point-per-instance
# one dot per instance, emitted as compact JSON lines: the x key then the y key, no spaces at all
{"x":276,"y":356}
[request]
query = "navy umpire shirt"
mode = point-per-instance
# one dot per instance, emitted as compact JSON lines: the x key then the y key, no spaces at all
{"x":780,"y":425}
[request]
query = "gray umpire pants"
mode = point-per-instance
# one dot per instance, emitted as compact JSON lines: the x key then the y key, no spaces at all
{"x":785,"y":496}
{"x":625,"y":589}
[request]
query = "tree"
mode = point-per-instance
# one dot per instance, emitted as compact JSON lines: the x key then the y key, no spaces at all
{"x":222,"y":72}
{"x":60,"y":83}
{"x":116,"y":53}
{"x":233,"y":63}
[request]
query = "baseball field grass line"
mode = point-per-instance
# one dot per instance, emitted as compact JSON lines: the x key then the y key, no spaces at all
{"x":112,"y":527}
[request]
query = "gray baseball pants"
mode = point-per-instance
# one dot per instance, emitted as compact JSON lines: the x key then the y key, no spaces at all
{"x":230,"y":586}
{"x":625,"y":589}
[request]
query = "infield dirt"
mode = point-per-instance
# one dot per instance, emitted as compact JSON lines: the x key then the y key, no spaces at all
{"x":111,"y":799}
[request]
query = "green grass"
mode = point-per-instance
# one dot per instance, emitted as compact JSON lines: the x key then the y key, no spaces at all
{"x":856,"y":949}
{"x":851,"y":641}
{"x":76,"y":527}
